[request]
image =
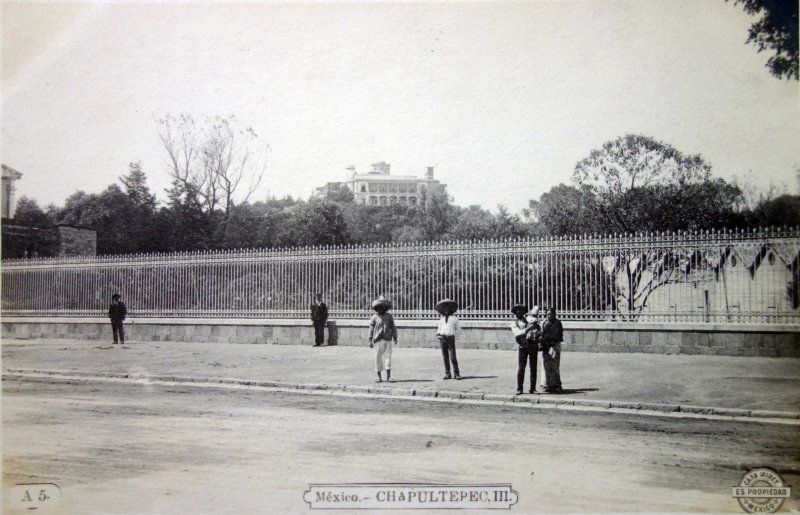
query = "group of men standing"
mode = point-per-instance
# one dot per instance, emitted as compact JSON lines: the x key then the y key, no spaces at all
{"x":532,"y":340}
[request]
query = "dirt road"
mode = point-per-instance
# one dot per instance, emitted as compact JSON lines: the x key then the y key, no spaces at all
{"x":119,"y":448}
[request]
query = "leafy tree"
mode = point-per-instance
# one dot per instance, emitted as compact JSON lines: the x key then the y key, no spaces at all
{"x":473,"y":223}
{"x":142,"y":227}
{"x":636,"y":183}
{"x":29,"y":213}
{"x":434,"y":216}
{"x":776,"y":30}
{"x":783,"y":210}
{"x":190,"y":226}
{"x":317,"y":222}
{"x":136,"y":187}
{"x":110,"y":213}
{"x":508,"y":226}
{"x":566,"y":210}
{"x":242,"y":228}
{"x":377,"y":224}
{"x":343,"y":195}
{"x":711,"y":204}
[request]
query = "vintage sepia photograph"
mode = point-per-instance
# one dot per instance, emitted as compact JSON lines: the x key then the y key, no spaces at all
{"x":534,"y":256}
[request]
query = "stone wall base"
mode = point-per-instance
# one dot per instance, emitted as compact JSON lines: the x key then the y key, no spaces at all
{"x":732,"y":340}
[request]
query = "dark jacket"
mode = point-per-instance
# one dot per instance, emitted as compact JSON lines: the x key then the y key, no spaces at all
{"x":319,"y":313}
{"x":117,"y":311}
{"x":552,"y":332}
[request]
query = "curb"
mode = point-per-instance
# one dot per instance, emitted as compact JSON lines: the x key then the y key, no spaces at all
{"x":443,"y":395}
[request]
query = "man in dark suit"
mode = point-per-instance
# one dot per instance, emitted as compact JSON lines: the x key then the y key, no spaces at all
{"x":319,"y":316}
{"x":117,"y":312}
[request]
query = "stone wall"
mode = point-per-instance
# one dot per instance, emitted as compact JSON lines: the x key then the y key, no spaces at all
{"x":771,"y":341}
{"x":74,"y":241}
{"x":21,"y":241}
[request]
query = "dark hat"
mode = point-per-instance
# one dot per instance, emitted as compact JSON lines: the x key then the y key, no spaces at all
{"x":442,"y":304}
{"x":381,"y":301}
{"x":519,"y":307}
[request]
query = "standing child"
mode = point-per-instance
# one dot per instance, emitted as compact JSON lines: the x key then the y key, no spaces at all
{"x":382,"y":332}
{"x":117,"y":312}
{"x":446,"y":333}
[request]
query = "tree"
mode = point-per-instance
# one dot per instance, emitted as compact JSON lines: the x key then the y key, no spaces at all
{"x":566,"y":210}
{"x":241,"y":229}
{"x":110,"y":213}
{"x":136,"y":187}
{"x":188,"y":225}
{"x":218,"y":162}
{"x":142,"y":229}
{"x":317,"y":222}
{"x":636,"y":183}
{"x":776,"y":30}
{"x":783,"y":210}
{"x":473,"y":223}
{"x":434,"y":216}
{"x":379,"y":224}
{"x":343,"y":195}
{"x":30,"y":214}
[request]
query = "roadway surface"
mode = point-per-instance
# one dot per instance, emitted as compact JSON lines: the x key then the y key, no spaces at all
{"x":126,"y":447}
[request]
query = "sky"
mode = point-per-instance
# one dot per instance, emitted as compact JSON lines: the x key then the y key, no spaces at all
{"x":501,"y":98}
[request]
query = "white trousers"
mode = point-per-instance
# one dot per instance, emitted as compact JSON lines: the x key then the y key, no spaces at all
{"x":383,"y":355}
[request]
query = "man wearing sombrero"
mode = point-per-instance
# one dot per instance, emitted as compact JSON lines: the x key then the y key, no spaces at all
{"x":382,"y":332}
{"x":446,"y":333}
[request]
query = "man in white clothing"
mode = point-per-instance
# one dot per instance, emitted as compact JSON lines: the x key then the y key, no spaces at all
{"x":382,"y":332}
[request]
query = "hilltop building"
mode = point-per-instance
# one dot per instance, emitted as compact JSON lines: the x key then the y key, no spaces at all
{"x":379,"y":188}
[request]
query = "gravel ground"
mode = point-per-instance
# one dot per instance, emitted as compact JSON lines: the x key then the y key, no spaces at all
{"x":139,"y":448}
{"x":718,"y":381}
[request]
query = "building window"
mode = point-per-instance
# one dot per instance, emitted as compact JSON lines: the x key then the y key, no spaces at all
{"x":412,"y":188}
{"x":363,"y":200}
{"x":392,"y":187}
{"x":373,"y":187}
{"x":382,"y":187}
{"x":383,"y":201}
{"x":392,"y":200}
{"x":402,"y":187}
{"x":373,"y":201}
{"x":403,"y":201}
{"x":412,"y":201}
{"x":363,"y":189}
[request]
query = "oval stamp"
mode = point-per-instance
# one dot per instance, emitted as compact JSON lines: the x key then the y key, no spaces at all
{"x":761,"y":490}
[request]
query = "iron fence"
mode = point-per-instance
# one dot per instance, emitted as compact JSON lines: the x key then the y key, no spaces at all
{"x":701,"y":277}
